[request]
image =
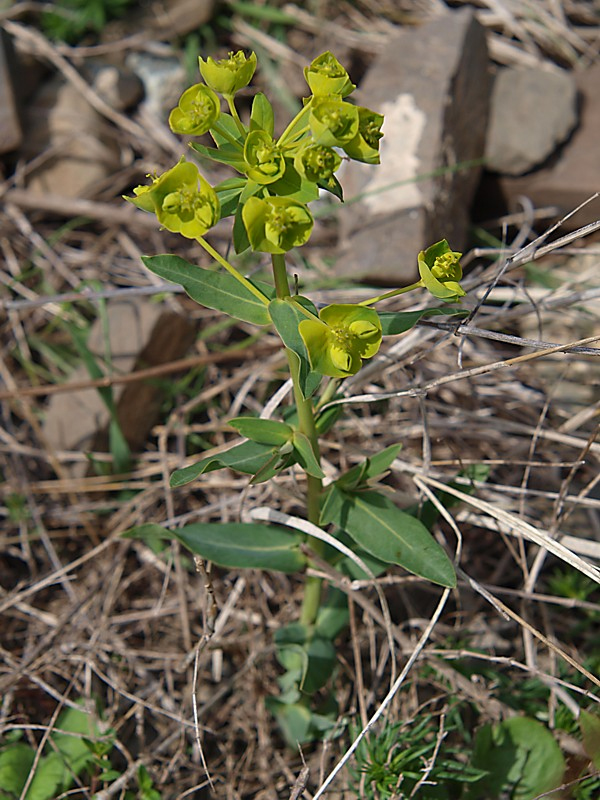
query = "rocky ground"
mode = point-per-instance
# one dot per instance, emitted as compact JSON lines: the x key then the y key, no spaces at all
{"x":491,"y":140}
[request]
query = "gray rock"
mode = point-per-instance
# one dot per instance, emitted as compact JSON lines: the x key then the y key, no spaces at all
{"x":574,"y":176}
{"x":80,"y":146}
{"x":141,"y":334}
{"x":432,"y":84}
{"x":532,"y":112}
{"x":10,"y":127}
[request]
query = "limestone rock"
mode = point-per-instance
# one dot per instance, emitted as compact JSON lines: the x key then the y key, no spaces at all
{"x":141,"y":335}
{"x":78,"y":143}
{"x":532,"y":112}
{"x":574,"y":175}
{"x":10,"y":127}
{"x":432,"y":84}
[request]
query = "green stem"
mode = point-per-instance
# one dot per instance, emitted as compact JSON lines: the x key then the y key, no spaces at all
{"x":306,"y":425}
{"x":233,"y":271}
{"x":234,"y":113}
{"x":298,"y":119}
{"x":393,"y":293}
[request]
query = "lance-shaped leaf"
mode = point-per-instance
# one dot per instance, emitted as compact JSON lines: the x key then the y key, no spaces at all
{"x":236,"y":545}
{"x":396,"y":322}
{"x":264,"y":431}
{"x":286,"y":317}
{"x":261,"y":116}
{"x":247,"y":457}
{"x":306,"y":455}
{"x":218,"y":290}
{"x":389,"y":534}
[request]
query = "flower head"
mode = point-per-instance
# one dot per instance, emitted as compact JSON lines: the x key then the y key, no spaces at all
{"x":182,"y":199}
{"x":264,"y":160}
{"x":197,"y":111}
{"x":276,"y":224}
{"x":333,"y":122}
{"x":341,"y":338}
{"x":326,"y":76}
{"x":228,"y":75}
{"x":365,"y":145}
{"x":440,"y":271}
{"x":317,"y":163}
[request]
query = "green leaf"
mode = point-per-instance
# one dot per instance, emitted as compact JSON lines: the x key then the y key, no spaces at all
{"x":293,"y":186}
{"x":74,"y":748}
{"x":241,"y":242}
{"x":225,"y":154}
{"x":389,"y":534}
{"x":306,"y":455}
{"x":333,"y":614}
{"x":51,"y":777}
{"x":395,"y":322}
{"x":294,"y":719}
{"x":227,"y":122}
{"x":309,"y":657}
{"x":521,"y":758}
{"x":589,"y":725}
{"x":286,"y":316}
{"x":248,"y":545}
{"x":333,"y":186}
{"x":15,"y":765}
{"x":247,"y":457}
{"x":228,"y":192}
{"x":371,"y":468}
{"x":218,"y":290}
{"x":263,"y":431}
{"x":262,"y":117}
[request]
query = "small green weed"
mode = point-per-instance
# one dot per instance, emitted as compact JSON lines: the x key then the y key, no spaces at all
{"x":70,"y":20}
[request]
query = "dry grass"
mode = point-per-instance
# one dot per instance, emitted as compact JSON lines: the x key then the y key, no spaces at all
{"x":86,"y":614}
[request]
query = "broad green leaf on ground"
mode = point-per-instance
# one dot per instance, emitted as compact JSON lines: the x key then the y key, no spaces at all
{"x":389,"y":534}
{"x":521,"y":757}
{"x":15,"y":765}
{"x":590,"y":733}
{"x":217,"y":290}
{"x":247,"y":457}
{"x":248,"y":545}
{"x":286,"y":316}
{"x":309,"y":657}
{"x":396,"y":322}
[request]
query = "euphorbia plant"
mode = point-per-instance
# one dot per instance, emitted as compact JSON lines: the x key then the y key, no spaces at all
{"x":268,"y":200}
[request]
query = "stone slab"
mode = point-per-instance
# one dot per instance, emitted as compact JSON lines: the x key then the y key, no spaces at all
{"x":10,"y":126}
{"x":574,"y":174}
{"x":432,"y":83}
{"x":532,"y":112}
{"x":140,"y":335}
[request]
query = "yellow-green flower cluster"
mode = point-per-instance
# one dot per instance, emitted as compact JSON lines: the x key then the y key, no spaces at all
{"x":182,"y":199}
{"x":341,"y":338}
{"x":440,"y":271}
{"x":281,"y":175}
